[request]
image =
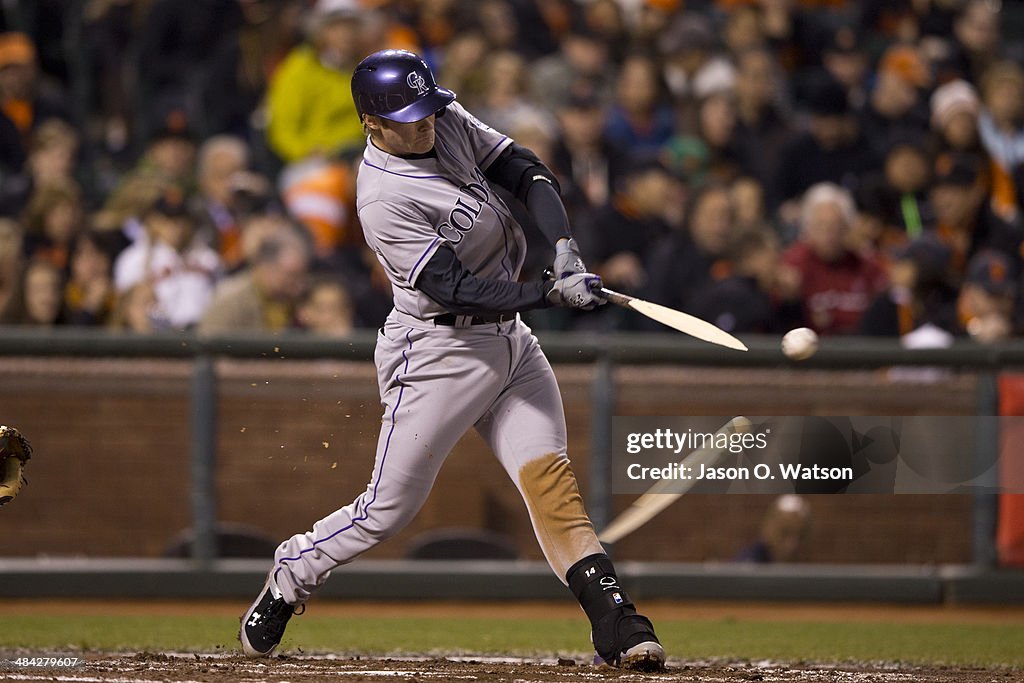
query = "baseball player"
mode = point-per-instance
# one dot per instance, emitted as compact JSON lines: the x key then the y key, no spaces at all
{"x":454,"y":354}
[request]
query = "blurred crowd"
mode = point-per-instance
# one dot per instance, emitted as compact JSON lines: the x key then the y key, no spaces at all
{"x":855,"y":167}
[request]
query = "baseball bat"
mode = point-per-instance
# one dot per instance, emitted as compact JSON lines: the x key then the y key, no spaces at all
{"x":657,"y":498}
{"x":677,"y":320}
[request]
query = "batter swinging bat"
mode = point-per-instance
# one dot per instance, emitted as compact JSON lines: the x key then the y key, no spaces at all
{"x":658,"y":498}
{"x":677,"y":320}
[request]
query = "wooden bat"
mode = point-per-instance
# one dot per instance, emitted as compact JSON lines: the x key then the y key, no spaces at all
{"x":664,"y":492}
{"x":677,"y":320}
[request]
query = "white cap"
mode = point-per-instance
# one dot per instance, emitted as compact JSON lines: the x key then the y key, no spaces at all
{"x":326,"y":9}
{"x":953,"y":97}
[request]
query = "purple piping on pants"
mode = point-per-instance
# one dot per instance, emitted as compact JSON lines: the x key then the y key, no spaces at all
{"x":384,"y":457}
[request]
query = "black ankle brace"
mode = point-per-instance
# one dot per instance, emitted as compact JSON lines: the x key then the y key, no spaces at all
{"x":613,"y":619}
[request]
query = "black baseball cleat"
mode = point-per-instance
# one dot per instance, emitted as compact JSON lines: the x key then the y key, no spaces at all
{"x":648,"y":656}
{"x":638,"y":649}
{"x":263,"y":625}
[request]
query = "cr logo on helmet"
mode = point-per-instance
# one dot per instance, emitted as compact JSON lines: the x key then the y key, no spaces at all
{"x":417,"y":82}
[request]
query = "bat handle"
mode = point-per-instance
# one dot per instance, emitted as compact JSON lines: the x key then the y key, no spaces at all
{"x":614,"y":297}
{"x":604,"y":292}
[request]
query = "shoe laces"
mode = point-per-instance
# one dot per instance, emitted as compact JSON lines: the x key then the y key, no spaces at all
{"x":278,"y":614}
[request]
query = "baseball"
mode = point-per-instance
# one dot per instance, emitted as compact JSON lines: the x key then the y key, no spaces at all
{"x":800,"y":343}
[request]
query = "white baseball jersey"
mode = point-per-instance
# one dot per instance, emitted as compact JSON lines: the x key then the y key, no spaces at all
{"x":410,"y":207}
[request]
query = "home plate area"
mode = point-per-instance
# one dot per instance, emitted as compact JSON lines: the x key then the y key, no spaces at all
{"x":186,"y":667}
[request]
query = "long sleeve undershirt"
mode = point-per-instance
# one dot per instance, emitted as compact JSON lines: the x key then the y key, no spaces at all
{"x":447,"y":281}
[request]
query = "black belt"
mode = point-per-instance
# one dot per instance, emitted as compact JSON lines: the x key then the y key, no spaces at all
{"x":451,"y":320}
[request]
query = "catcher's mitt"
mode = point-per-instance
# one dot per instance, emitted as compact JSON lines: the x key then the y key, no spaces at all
{"x":15,"y":451}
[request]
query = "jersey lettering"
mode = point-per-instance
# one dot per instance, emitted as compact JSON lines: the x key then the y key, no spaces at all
{"x":464,"y":214}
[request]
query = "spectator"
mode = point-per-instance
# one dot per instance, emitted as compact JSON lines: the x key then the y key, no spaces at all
{"x":11,"y":266}
{"x":976,"y":30}
{"x":136,"y":309}
{"x":309,"y":102}
{"x":605,"y":20}
{"x":742,"y":30}
{"x":836,"y":284}
{"x":639,"y":120}
{"x":176,"y":44}
{"x":169,"y":160}
{"x":53,"y":152}
{"x":832,"y":149}
{"x":762,"y":130}
{"x":40,"y":302}
{"x":25,"y":101}
{"x":988,"y":297}
{"x":846,"y":61}
{"x":964,"y":218}
{"x":783,"y":531}
{"x":744,"y":300}
{"x":503,"y":104}
{"x":108,"y":34}
{"x":326,"y":309}
{"x":621,"y":78}
{"x":321,"y":195}
{"x":122,"y":210}
{"x":895,"y":110}
{"x":264,"y":296}
{"x":51,"y":160}
{"x":579,"y":68}
{"x":691,"y":257}
{"x":692,"y":68}
{"x":955,"y":108}
{"x":53,"y":219}
{"x":1001,"y":126}
{"x":907,"y":174}
{"x":714,"y":142}
{"x":621,"y":232}
{"x":587,"y":162}
{"x":651,"y":21}
{"x":180,"y":267}
{"x":920,"y":292}
{"x":747,"y":196}
{"x":499,"y":25}
{"x":228,"y":191}
{"x":89,"y":296}
{"x":241,"y":67}
{"x":461,"y":67}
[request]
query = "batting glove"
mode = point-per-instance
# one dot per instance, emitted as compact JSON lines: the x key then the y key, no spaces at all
{"x":567,"y":259}
{"x":577,"y":291}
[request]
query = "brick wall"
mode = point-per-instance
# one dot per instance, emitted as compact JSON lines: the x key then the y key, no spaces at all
{"x":297,"y":438}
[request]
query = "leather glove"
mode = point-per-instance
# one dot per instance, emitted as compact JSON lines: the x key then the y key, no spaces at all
{"x":15,"y":452}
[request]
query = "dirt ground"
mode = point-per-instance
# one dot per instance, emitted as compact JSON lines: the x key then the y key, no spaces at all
{"x":161,"y":668}
{"x":315,"y":668}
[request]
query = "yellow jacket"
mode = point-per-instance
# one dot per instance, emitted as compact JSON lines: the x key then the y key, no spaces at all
{"x":310,"y":108}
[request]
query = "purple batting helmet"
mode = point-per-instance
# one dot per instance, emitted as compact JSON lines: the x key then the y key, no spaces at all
{"x":397,"y":85}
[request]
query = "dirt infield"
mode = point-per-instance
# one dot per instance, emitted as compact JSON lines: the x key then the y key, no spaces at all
{"x":163,"y":668}
{"x":298,"y":666}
